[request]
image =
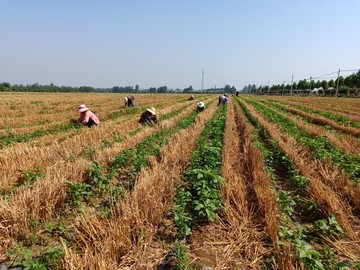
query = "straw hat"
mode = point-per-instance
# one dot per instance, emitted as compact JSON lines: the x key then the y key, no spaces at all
{"x":82,"y":108}
{"x":201,"y":104}
{"x":152,"y":110}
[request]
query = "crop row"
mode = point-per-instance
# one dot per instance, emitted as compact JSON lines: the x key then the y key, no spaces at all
{"x":329,"y":120}
{"x":340,"y":136}
{"x":328,"y":115}
{"x":97,"y":183}
{"x":198,"y":190}
{"x":7,"y":138}
{"x":87,"y":145}
{"x":33,"y":111}
{"x":134,"y":228}
{"x":301,"y":220}
{"x":197,"y":200}
{"x":320,"y":146}
{"x":331,"y":172}
{"x":343,"y":107}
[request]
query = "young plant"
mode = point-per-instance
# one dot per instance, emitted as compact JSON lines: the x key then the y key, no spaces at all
{"x":28,"y":177}
{"x":78,"y":193}
{"x":179,"y":259}
{"x":330,"y":226}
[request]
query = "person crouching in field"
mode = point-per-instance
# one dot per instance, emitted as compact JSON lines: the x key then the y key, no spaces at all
{"x":129,"y":101}
{"x":149,"y":116}
{"x":200,"y":106}
{"x":87,"y":117}
{"x":223,"y":100}
{"x":191,"y":97}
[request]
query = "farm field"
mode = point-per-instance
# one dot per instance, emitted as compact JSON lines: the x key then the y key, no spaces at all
{"x":265,"y":182}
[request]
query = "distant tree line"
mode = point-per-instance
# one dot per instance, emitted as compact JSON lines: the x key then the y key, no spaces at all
{"x":164,"y":89}
{"x":346,"y":84}
{"x":7,"y":87}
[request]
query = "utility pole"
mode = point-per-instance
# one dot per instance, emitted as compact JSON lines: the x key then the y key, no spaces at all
{"x":268,"y":88}
{"x":310,"y":82}
{"x":337,"y":84}
{"x":202,"y":80}
{"x":291,"y":89}
{"x":283,"y":88}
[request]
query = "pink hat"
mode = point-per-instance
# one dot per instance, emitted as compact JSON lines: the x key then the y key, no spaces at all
{"x":82,"y":108}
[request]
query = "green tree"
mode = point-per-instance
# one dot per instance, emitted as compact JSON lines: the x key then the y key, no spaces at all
{"x":341,"y":81}
{"x":318,"y":84}
{"x":227,"y":89}
{"x":303,"y":84}
{"x":356,"y":79}
{"x":162,"y":89}
{"x":348,"y":81}
{"x":253,"y":88}
{"x":86,"y":89}
{"x":129,"y":89}
{"x":188,"y":90}
{"x":4,"y":87}
{"x":324,"y":84}
{"x":312,"y":84}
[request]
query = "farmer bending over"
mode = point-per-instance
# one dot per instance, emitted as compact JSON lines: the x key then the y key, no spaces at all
{"x":149,"y":116}
{"x":223,"y":99}
{"x":200,"y":106}
{"x":129,"y":101}
{"x":87,"y":117}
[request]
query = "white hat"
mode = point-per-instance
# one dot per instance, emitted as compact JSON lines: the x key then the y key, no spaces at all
{"x":201,"y":104}
{"x":152,"y":110}
{"x":82,"y":108}
{"x":126,"y":99}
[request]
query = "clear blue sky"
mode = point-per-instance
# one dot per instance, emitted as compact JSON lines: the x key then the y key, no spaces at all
{"x":152,"y":43}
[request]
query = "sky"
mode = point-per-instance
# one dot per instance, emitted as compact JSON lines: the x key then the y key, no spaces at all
{"x":153,"y":43}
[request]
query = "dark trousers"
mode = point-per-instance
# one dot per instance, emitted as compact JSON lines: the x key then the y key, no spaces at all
{"x":90,"y":123}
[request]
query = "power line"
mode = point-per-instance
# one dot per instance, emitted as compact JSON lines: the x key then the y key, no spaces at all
{"x":349,"y":70}
{"x":202,"y":80}
{"x":332,"y":77}
{"x":324,"y":75}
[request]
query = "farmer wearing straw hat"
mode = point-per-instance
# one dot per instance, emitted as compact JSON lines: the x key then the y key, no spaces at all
{"x":87,"y":117}
{"x":129,"y":101}
{"x":200,"y":106}
{"x":149,"y":116}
